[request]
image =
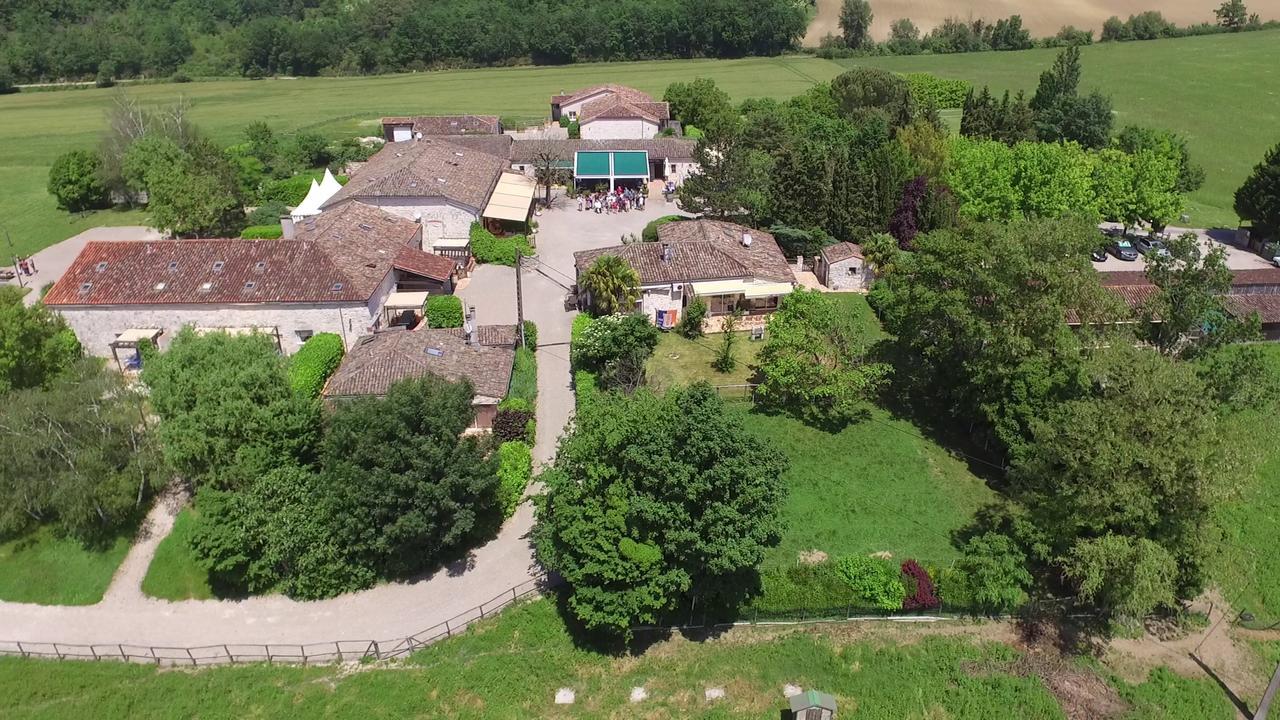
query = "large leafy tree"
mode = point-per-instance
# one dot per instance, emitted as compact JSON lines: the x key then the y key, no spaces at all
{"x":653,"y":498}
{"x":866,"y":92}
{"x":200,"y":195}
{"x":1062,"y":113}
{"x":732,"y":180}
{"x":1187,"y":314}
{"x":1143,"y":454}
{"x":855,"y":23}
{"x":701,"y":104}
{"x":228,"y":411}
{"x":35,"y":344}
{"x":815,"y":361}
{"x":75,"y":181}
{"x":614,"y":286}
{"x":77,"y":454}
{"x":1134,"y":139}
{"x":1258,"y":199}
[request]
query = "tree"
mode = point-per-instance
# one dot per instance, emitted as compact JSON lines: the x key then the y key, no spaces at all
{"x":198,"y":196}
{"x":1062,"y":114}
{"x":1134,"y":139}
{"x":1142,"y":454}
{"x":701,"y":104}
{"x":904,"y":38}
{"x":855,"y":23}
{"x":1258,"y":199}
{"x":616,"y":347}
{"x":995,"y":571}
{"x":128,"y":122}
{"x":1114,"y":187}
{"x":1008,"y":34}
{"x":865,"y":91}
{"x":724,"y":361}
{"x":1129,"y":577}
{"x":1155,"y":188}
{"x":262,"y":142}
{"x":1192,"y":283}
{"x":1053,"y":179}
{"x":547,"y":159}
{"x":36,"y":345}
{"x":732,"y":180}
{"x":306,"y":150}
{"x":654,"y":498}
{"x":406,"y":484}
{"x":148,"y":156}
{"x":7,"y":86}
{"x":927,"y":146}
{"x":815,"y":362}
{"x":612,"y":284}
{"x":228,"y":412}
{"x":1232,"y":15}
{"x":77,"y":456}
{"x":74,"y":181}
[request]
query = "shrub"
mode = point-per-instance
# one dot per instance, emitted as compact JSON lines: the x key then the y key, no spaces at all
{"x":289,"y":191}
{"x":6,"y":82}
{"x":943,"y":93}
{"x":179,"y":77}
{"x":650,"y":232}
{"x":691,"y":323}
{"x":581,"y":322}
{"x":531,"y":335}
{"x":923,"y":596}
{"x":584,"y":389}
{"x":564,"y":121}
{"x":995,"y":573}
{"x":267,"y":214}
{"x":511,"y":424}
{"x":74,"y":179}
{"x":487,"y":248}
{"x":262,"y":232}
{"x":575,"y":132}
{"x":524,"y":377}
{"x":515,"y":468}
{"x":617,"y":347}
{"x":693,"y":133}
{"x":810,"y":589}
{"x":314,"y":362}
{"x":873,"y":581}
{"x":444,"y":311}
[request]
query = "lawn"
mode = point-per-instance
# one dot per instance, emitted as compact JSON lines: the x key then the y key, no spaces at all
{"x":1222,"y":92}
{"x":680,"y":361}
{"x":512,"y":665}
{"x":174,"y":573}
{"x":41,"y":567}
{"x":36,"y":127}
{"x":1249,"y":567}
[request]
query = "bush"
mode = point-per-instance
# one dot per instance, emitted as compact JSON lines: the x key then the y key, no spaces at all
{"x":7,"y":84}
{"x":267,"y":214}
{"x":524,"y":377}
{"x":511,"y":424}
{"x":650,"y":232}
{"x":314,"y":362}
{"x":531,"y":335}
{"x":809,"y":589}
{"x":943,"y":93}
{"x":873,"y":581}
{"x":693,"y":133}
{"x":288,"y":191}
{"x":515,"y":468}
{"x":584,"y":389}
{"x":488,"y":248}
{"x":179,"y":77}
{"x":575,"y":132}
{"x":691,"y":323}
{"x":581,"y":322}
{"x":444,"y":311}
{"x":262,"y":232}
{"x":75,"y":181}
{"x":994,"y":571}
{"x":922,"y":595}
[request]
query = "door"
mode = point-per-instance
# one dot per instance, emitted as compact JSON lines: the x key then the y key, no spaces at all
{"x":400,"y":133}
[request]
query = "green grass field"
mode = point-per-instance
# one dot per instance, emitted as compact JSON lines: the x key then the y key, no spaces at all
{"x":174,"y":574}
{"x":512,"y":665}
{"x":679,"y":361}
{"x":42,"y":568}
{"x":1220,"y":91}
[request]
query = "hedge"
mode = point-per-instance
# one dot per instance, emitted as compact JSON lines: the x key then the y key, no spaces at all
{"x":945,"y":93}
{"x":262,"y":232}
{"x":314,"y":362}
{"x":581,"y":322}
{"x":291,"y":190}
{"x":515,"y":468}
{"x":531,"y":335}
{"x":444,"y":311}
{"x":524,"y":377}
{"x":512,"y":423}
{"x":584,"y":389}
{"x":650,"y":232}
{"x":487,"y":248}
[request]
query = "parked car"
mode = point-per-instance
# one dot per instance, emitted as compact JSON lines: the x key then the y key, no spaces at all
{"x":1151,"y":246}
{"x":1123,"y":249}
{"x":1276,"y":261}
{"x":1099,"y":254}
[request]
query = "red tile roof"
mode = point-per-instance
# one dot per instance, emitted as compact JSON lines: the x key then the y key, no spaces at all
{"x":377,"y":361}
{"x":428,"y":265}
{"x":629,"y":94}
{"x":841,"y":251}
{"x":700,"y":250}
{"x":1267,"y":306}
{"x":615,"y":107}
{"x":431,"y":167}
{"x":449,"y":124}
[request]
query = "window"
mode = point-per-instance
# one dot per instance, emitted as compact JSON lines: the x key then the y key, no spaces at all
{"x":337,"y":287}
{"x":102,"y":266}
{"x":304,"y":335}
{"x":721,"y":304}
{"x":853,"y":269}
{"x":158,"y":286}
{"x":259,"y":266}
{"x":218,"y":265}
{"x":206,"y":287}
{"x":766,"y":303}
{"x":250,"y":285}
{"x":86,"y":287}
{"x":673,"y":168}
{"x":173,"y":266}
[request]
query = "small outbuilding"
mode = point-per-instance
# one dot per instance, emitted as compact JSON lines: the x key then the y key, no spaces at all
{"x":843,"y":267}
{"x":813,"y":705}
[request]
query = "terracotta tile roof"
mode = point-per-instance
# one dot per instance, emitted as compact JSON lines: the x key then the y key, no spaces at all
{"x":449,"y":124}
{"x":672,"y":148}
{"x":629,"y":94}
{"x":1260,"y":276}
{"x":379,"y":360}
{"x":841,"y":251}
{"x":340,"y":256}
{"x":431,"y":167}
{"x":700,"y":250}
{"x":616,"y":107}
{"x":428,"y":265}
{"x":1124,"y":277}
{"x":1267,"y":306}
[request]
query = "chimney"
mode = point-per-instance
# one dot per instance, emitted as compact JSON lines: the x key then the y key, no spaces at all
{"x":472,"y":330}
{"x":286,"y":227}
{"x":746,"y":240}
{"x":666,"y":253}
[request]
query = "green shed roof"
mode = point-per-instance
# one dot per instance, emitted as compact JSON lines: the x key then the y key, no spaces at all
{"x":812,"y":698}
{"x":591,"y":164}
{"x":611,"y":163}
{"x":631,"y":163}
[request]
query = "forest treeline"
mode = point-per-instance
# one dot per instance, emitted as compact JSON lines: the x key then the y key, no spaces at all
{"x":49,"y":40}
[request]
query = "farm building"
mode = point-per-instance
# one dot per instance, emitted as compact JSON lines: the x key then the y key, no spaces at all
{"x":399,"y":129}
{"x":443,"y":185}
{"x":482,"y":355}
{"x":1251,"y":291}
{"x":812,"y":705}
{"x":730,"y":267}
{"x":842,"y":267}
{"x":609,"y":112}
{"x":340,"y":276}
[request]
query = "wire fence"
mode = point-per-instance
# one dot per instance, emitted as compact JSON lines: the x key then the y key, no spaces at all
{"x":306,"y":654}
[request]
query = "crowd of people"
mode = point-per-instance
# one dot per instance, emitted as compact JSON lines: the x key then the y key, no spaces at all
{"x":619,"y":199}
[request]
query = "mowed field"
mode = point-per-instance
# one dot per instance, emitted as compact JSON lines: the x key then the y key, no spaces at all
{"x":1221,"y":92}
{"x":1042,"y":18}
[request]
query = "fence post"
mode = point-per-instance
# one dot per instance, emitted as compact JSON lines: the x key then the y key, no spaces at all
{"x":447,"y":631}
{"x":191,"y":657}
{"x":514,"y":597}
{"x":227,"y":651}
{"x":120,"y":647}
{"x":377,"y":652}
{"x":20,"y":650}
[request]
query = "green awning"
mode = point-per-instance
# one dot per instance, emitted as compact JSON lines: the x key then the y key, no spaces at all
{"x":631,"y":164}
{"x":591,"y":164}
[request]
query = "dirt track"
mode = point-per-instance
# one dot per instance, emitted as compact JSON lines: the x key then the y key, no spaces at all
{"x":1042,"y":17}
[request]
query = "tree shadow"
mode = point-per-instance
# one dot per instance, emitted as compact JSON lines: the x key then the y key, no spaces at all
{"x":1241,"y":706}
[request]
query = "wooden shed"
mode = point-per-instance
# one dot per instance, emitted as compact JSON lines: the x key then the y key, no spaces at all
{"x":813,"y":705}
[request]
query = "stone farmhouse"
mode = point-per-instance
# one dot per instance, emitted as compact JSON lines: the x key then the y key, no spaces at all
{"x":399,"y":129}
{"x":482,"y":355}
{"x":729,"y":266}
{"x":1251,"y":291}
{"x":842,"y":267}
{"x":611,"y":163}
{"x":344,"y":272}
{"x":608,"y":112}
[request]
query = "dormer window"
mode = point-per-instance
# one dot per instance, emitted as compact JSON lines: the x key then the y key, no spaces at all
{"x":173,"y":266}
{"x":250,"y":285}
{"x":158,"y":286}
{"x":102,"y":266}
{"x":86,"y":287}
{"x":218,"y":265}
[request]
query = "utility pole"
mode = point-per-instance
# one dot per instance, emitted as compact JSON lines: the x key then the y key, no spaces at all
{"x":520,"y":298}
{"x":13,"y":256}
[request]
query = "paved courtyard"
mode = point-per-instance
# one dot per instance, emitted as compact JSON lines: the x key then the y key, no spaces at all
{"x":1239,"y":257}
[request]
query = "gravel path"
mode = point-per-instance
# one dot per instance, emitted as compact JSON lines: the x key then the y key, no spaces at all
{"x":126,"y":584}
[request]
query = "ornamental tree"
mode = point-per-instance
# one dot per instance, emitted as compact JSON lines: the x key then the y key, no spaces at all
{"x":654,"y":498}
{"x":75,"y":181}
{"x":1258,"y":199}
{"x":614,"y":286}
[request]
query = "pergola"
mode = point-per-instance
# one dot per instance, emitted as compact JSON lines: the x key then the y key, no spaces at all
{"x":611,"y":166}
{"x":400,"y":302}
{"x":129,"y":340}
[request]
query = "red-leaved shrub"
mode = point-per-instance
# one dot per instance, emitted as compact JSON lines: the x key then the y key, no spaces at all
{"x":925,"y":596}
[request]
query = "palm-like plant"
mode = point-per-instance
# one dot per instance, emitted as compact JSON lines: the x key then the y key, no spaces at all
{"x":613,"y":284}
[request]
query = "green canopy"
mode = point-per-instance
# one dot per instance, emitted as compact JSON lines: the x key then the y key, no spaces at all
{"x":592,"y":164}
{"x":611,"y":164}
{"x":631,"y":164}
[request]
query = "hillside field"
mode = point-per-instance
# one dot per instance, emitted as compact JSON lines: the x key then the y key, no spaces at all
{"x":1223,"y":92}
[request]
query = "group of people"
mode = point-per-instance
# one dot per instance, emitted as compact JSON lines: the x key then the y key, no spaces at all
{"x":619,"y":199}
{"x":26,"y":266}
